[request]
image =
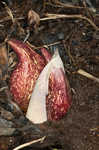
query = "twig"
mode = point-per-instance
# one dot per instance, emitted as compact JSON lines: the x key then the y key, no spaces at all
{"x":55,"y":43}
{"x":57,"y":3}
{"x":35,"y":47}
{"x":9,"y":12}
{"x":9,"y":18}
{"x":57,"y":16}
{"x":29,"y":143}
{"x":27,"y":36}
{"x":88,"y":75}
{"x":3,"y":88}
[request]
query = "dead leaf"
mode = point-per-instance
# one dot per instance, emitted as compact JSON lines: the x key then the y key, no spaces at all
{"x":33,"y":19}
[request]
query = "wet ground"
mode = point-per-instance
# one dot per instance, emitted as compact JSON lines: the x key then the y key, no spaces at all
{"x":77,"y":40}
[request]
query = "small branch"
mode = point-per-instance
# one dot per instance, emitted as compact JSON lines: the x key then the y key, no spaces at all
{"x":88,"y":75}
{"x":57,"y":3}
{"x":57,"y":16}
{"x":29,"y":143}
{"x":9,"y":18}
{"x":9,"y":12}
{"x":35,"y":47}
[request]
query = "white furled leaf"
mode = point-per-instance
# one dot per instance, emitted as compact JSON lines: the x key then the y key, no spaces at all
{"x":37,"y":107}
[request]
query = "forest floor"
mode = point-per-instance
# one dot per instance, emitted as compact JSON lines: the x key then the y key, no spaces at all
{"x":73,"y":28}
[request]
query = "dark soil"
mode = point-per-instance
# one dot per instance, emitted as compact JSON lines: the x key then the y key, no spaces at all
{"x":78,"y":43}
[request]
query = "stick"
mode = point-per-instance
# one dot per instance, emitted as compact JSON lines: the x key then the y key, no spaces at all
{"x":57,"y":16}
{"x":88,"y":75}
{"x":29,"y":143}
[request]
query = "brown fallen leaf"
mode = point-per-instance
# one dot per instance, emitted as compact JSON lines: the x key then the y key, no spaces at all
{"x":33,"y":19}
